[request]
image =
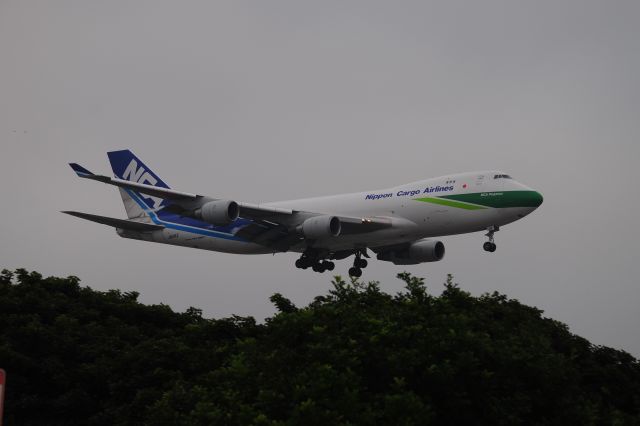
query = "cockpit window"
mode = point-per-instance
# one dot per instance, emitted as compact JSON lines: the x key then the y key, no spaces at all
{"x":502,"y":177}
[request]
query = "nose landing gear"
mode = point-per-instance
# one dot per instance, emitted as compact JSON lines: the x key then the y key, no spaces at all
{"x":490,"y":245}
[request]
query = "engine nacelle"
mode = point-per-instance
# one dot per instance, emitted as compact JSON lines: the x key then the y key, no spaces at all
{"x":318,"y":227}
{"x":417,"y":252}
{"x":219,"y":212}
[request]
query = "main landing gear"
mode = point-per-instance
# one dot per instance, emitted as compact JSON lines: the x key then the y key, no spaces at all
{"x":358,"y":265}
{"x":311,"y":259}
{"x":314,"y":263}
{"x":490,"y":245}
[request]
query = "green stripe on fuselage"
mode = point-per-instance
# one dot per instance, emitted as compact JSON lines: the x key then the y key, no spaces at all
{"x":483,"y":200}
{"x":449,"y":203}
{"x":500,"y":199}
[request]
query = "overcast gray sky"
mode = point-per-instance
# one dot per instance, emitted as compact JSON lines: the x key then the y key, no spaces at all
{"x":271,"y":100}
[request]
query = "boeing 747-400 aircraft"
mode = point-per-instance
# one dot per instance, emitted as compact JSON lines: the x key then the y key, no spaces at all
{"x":395,"y":223}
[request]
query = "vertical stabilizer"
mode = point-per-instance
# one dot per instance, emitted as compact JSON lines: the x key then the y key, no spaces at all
{"x":127,"y":166}
{"x":133,"y":209}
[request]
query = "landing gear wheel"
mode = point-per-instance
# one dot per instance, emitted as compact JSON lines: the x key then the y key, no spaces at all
{"x":360,"y":263}
{"x":318,"y":267}
{"x":489,"y":246}
{"x":304,"y":263}
{"x":328,"y":266}
{"x":355,"y":272}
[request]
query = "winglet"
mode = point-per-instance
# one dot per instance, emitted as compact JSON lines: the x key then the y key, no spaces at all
{"x":80,"y":171}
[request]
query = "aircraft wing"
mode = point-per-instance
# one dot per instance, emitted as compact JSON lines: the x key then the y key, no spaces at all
{"x":281,"y":236}
{"x":272,"y":226}
{"x":185,"y":199}
{"x":154,"y":191}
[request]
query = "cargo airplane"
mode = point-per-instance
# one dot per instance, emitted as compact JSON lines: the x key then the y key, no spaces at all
{"x":397,"y":224}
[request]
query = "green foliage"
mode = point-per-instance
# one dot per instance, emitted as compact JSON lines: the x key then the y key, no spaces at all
{"x":355,"y":355}
{"x":282,"y":303}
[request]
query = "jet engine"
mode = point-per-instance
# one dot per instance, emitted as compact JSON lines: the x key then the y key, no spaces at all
{"x":417,"y":252}
{"x":219,"y":212}
{"x":320,"y":227}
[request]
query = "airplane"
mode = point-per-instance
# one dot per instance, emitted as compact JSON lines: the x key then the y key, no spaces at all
{"x":397,"y":224}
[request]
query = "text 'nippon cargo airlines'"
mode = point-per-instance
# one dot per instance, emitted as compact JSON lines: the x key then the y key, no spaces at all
{"x":395,"y":223}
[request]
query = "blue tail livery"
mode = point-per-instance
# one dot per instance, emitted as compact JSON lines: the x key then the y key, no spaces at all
{"x":127,"y":166}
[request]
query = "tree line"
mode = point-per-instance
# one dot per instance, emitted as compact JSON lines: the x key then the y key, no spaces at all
{"x":355,"y":355}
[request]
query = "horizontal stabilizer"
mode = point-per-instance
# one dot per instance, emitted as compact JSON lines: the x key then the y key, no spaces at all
{"x":117,"y":223}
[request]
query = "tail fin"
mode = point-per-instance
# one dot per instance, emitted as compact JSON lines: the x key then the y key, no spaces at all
{"x":127,"y":166}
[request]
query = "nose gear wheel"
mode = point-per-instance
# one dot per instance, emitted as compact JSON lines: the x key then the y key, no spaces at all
{"x":490,"y":245}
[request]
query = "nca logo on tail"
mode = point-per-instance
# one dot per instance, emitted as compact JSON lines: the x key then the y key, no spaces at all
{"x":140,"y":175}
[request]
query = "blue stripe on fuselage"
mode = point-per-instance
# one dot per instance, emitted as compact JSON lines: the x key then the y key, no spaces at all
{"x":187,"y":224}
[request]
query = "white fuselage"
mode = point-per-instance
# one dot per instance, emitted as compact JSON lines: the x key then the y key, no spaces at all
{"x":447,"y":205}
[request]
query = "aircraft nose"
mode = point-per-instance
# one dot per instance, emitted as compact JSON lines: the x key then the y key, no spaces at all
{"x":535,"y":198}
